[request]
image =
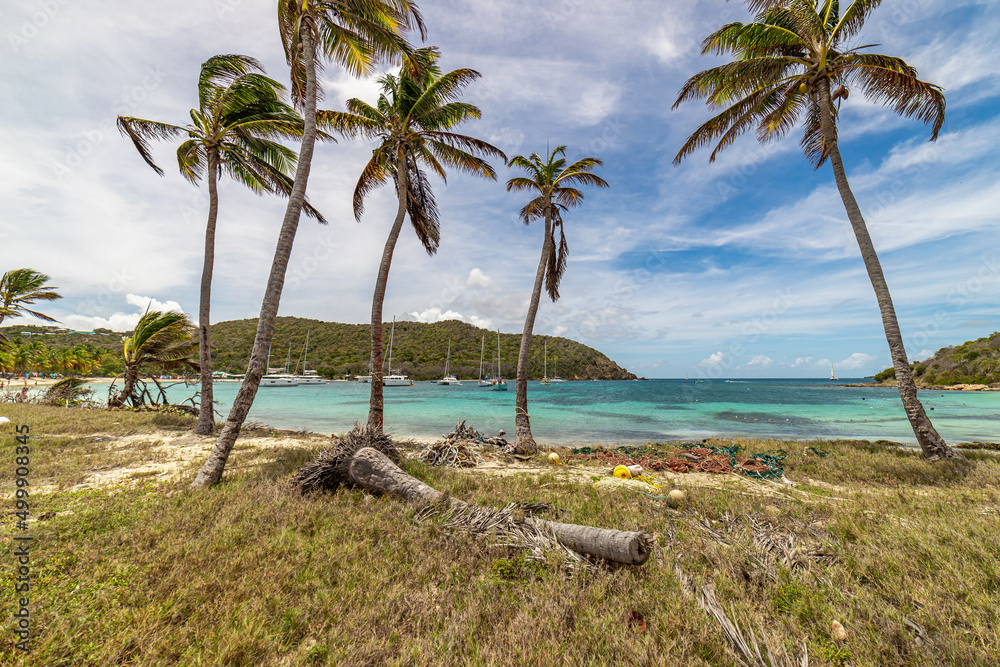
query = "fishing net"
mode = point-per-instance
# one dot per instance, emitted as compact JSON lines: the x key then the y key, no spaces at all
{"x":689,"y":458}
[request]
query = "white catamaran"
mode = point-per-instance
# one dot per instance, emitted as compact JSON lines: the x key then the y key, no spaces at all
{"x":279,"y":377}
{"x":448,"y":379}
{"x":308,"y":377}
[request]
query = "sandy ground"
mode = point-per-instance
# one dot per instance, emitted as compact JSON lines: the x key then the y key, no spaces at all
{"x":171,"y":455}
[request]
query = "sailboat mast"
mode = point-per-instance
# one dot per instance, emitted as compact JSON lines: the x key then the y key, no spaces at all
{"x":392,"y":334}
{"x":482,"y":356}
{"x":305,"y":355}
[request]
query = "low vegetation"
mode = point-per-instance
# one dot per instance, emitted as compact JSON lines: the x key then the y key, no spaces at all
{"x":972,"y":362}
{"x":901,"y":552}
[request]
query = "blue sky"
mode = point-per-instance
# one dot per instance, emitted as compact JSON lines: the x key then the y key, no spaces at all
{"x":741,"y":268}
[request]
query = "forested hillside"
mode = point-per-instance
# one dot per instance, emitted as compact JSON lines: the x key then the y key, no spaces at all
{"x":973,"y":362}
{"x":419,"y":350}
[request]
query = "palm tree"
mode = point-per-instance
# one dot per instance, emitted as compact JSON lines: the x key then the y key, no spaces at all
{"x":240,"y":114}
{"x":164,"y":340}
{"x":355,"y":34}
{"x":787,"y":62}
{"x":412,"y":123}
{"x":20,"y":288}
{"x":552,"y":180}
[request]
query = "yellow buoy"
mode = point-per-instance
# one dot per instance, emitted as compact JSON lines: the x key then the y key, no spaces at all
{"x":553,"y":458}
{"x":621,"y":472}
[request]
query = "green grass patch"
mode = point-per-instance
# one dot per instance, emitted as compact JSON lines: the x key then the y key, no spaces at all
{"x":251,"y":573}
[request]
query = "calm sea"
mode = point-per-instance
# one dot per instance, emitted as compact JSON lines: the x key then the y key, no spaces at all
{"x":631,"y":412}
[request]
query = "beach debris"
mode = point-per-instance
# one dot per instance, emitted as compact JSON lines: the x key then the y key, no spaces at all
{"x":643,"y":485}
{"x":553,"y":458}
{"x":508,"y":527}
{"x":788,"y":482}
{"x":690,"y":458}
{"x":328,"y":471}
{"x":838,"y":632}
{"x":373,"y":470}
{"x":678,"y":495}
{"x":450,"y":454}
{"x":622,"y":472}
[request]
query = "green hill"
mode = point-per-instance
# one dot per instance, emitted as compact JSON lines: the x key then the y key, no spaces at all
{"x":973,"y":362}
{"x":419,"y":350}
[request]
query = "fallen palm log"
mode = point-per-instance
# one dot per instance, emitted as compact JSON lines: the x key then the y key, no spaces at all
{"x":373,"y":470}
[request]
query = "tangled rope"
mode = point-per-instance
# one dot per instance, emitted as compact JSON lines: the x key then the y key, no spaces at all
{"x":691,"y":458}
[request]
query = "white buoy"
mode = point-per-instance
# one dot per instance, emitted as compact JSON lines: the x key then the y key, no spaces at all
{"x":678,"y":495}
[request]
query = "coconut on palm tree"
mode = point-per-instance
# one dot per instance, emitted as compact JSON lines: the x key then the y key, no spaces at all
{"x":355,"y":34}
{"x":241,"y":113}
{"x":553,"y":181}
{"x":793,"y":62}
{"x":412,"y":122}
{"x":162,"y":341}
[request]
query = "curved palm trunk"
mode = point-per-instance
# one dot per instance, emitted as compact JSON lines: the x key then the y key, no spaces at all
{"x":211,"y":471}
{"x":932,"y":444}
{"x":375,"y":402}
{"x":524,"y":443}
{"x":206,"y":411}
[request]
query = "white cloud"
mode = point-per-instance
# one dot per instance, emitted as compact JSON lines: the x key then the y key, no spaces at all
{"x":478,"y":279}
{"x":760,"y":361}
{"x":713,"y":360}
{"x":922,"y":355}
{"x":856,"y":361}
{"x":119,"y":321}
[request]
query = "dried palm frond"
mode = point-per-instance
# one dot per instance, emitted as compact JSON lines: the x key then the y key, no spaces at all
{"x":508,"y":526}
{"x":328,"y":471}
{"x":745,"y":645}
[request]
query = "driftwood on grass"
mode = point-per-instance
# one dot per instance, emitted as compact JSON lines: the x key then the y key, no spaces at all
{"x":373,"y":470}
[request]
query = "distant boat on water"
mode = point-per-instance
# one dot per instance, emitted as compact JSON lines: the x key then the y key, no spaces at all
{"x":498,"y":384}
{"x":279,"y":377}
{"x":483,"y":380}
{"x":832,"y":374}
{"x":545,"y":373}
{"x":392,"y":380}
{"x":449,"y":379}
{"x":308,"y":377}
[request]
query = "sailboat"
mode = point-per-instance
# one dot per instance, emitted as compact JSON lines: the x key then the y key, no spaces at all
{"x":394,"y":380}
{"x":483,"y":382}
{"x":556,"y":377}
{"x":499,"y":384}
{"x":545,"y":375}
{"x":832,"y":375}
{"x":279,"y":377}
{"x":308,"y":377}
{"x":448,"y":379}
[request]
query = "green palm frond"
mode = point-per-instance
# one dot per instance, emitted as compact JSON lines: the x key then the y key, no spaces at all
{"x":779,"y":62}
{"x":20,"y":288}
{"x":166,"y":339}
{"x":241,"y":117}
{"x":141,"y":131}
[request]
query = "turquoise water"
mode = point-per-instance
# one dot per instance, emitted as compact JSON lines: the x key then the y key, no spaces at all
{"x":630,"y":412}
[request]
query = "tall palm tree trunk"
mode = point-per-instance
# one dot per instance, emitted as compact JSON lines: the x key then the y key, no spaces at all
{"x":211,"y":471}
{"x":932,"y":444}
{"x":206,"y":411}
{"x":523,"y":441}
{"x":375,"y":402}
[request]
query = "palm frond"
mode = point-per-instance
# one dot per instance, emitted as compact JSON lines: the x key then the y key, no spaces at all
{"x":141,"y":131}
{"x":891,"y":82}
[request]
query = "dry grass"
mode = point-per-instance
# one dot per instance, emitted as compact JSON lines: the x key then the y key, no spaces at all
{"x":254,"y":573}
